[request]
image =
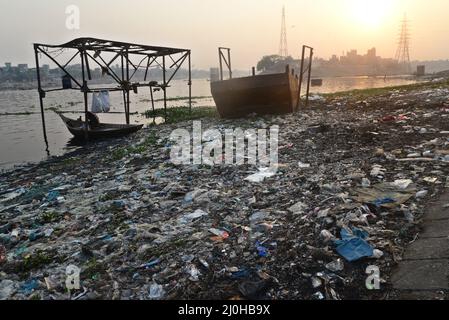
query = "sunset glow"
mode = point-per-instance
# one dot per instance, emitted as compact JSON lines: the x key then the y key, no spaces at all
{"x":369,"y":13}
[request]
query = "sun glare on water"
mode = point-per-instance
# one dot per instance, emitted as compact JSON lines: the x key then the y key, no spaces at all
{"x":369,"y":13}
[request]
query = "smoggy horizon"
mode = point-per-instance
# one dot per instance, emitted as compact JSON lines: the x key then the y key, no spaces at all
{"x":250,"y":28}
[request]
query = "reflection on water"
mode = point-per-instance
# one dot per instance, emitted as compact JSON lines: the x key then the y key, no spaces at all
{"x":340,"y":84}
{"x":21,"y":137}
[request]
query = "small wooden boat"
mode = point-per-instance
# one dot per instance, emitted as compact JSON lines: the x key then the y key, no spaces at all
{"x":260,"y":94}
{"x":96,"y":129}
{"x":316,"y":82}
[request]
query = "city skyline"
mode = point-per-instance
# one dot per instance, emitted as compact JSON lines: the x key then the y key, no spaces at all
{"x":250,"y":28}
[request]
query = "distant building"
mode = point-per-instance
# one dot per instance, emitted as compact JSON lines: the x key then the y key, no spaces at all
{"x":8,"y":65}
{"x":23,"y":67}
{"x":214,"y":74}
{"x":421,"y":71}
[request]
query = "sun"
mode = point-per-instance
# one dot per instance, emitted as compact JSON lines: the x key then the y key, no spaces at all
{"x":369,"y":13}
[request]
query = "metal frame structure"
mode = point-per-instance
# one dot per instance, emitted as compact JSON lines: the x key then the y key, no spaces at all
{"x":89,"y":50}
{"x":302,"y":72}
{"x":227,"y":61}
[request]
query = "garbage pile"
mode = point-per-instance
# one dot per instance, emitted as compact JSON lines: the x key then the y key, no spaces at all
{"x":353,"y":181}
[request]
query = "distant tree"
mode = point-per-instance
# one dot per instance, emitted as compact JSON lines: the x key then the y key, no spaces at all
{"x":274,"y":63}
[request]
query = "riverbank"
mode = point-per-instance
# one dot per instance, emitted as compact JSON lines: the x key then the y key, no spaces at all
{"x":140,"y":227}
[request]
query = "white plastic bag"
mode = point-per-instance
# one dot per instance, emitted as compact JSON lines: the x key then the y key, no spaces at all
{"x":100,"y":102}
{"x":104,"y":95}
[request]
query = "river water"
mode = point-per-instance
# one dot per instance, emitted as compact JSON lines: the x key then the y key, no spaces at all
{"x":21,"y":137}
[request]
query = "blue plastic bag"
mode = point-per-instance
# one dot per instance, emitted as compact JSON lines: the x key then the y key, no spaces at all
{"x":353,"y":246}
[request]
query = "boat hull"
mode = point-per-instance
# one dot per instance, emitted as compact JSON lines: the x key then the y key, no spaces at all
{"x":262,"y":94}
{"x":99,"y":131}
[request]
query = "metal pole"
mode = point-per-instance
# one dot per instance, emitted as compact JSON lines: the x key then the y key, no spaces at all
{"x":221,"y":64}
{"x":301,"y":74}
{"x":229,"y":64}
{"x":165,"y":88}
{"x":190,"y":82}
{"x":123,"y":83}
{"x":84,"y":90}
{"x":152,"y":98}
{"x":309,"y":76}
{"x":127,"y":88}
{"x":41,"y":98}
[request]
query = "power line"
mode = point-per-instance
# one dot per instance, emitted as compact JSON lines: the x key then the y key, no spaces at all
{"x":283,"y":47}
{"x":403,"y":51}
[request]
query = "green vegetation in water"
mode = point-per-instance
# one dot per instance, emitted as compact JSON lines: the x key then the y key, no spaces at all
{"x":178,"y":114}
{"x":25,"y":113}
{"x":178,"y":99}
{"x":149,"y":141}
{"x":365,"y":93}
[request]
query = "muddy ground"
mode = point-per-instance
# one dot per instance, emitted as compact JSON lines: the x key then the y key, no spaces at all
{"x":117,"y":209}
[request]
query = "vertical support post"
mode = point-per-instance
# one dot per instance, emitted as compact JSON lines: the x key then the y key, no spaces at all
{"x":301,"y":74}
{"x":152,"y":98}
{"x":165,"y":87}
{"x":41,"y":95}
{"x":123,"y":82}
{"x":229,"y":64}
{"x":221,"y":63}
{"x":254,"y":71}
{"x":309,"y":76}
{"x":84,"y":90}
{"x":127,"y":87}
{"x":190,"y":81}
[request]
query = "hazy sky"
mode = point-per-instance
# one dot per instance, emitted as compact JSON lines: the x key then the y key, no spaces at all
{"x":250,"y":27}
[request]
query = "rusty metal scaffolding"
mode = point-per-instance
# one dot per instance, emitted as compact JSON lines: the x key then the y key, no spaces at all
{"x":303,"y":71}
{"x":90,"y":50}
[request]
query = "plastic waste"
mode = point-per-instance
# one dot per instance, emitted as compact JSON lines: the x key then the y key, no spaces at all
{"x":100,"y":102}
{"x":261,"y":175}
{"x":302,"y":165}
{"x":327,"y":236}
{"x":2,"y":254}
{"x":421,"y":194}
{"x":335,"y":266}
{"x":298,"y":208}
{"x":7,"y":289}
{"x":156,"y":291}
{"x":261,"y":250}
{"x":193,"y":272}
{"x":353,"y":246}
{"x":150,"y":264}
{"x":29,"y":286}
{"x":254,"y":289}
{"x":366,"y":183}
{"x":192,"y":216}
{"x":219,"y":233}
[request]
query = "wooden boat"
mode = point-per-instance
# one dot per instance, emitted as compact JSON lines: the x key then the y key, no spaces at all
{"x":260,"y":94}
{"x":316,"y":82}
{"x":96,"y":129}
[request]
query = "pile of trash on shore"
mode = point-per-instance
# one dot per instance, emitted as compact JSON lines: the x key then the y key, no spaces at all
{"x":353,"y":181}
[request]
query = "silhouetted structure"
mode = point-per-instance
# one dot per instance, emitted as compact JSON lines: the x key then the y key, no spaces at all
{"x":283,"y":47}
{"x":92,"y":51}
{"x":403,"y":52}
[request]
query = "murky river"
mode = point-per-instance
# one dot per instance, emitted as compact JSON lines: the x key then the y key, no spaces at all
{"x":21,"y":137}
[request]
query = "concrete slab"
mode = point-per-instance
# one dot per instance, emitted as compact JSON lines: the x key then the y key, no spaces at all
{"x":428,"y":248}
{"x":435,"y":229}
{"x":422,"y":275}
{"x":437,"y":211}
{"x":421,"y":295}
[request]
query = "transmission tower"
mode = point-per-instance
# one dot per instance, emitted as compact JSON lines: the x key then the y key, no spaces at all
{"x":283,"y":48}
{"x":403,"y":52}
